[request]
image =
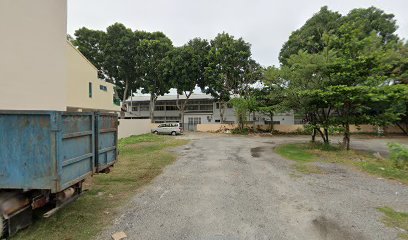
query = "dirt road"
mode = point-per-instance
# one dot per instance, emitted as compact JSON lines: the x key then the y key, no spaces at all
{"x":227,"y":187}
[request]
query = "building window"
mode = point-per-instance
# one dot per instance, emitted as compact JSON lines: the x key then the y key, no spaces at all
{"x":103,"y":88}
{"x":217,"y":105}
{"x":134,"y":109}
{"x":144,"y":107}
{"x":90,"y":89}
{"x":206,"y":107}
{"x":217,"y":120}
{"x":192,"y":107}
{"x":159,"y":108}
{"x":171,"y":108}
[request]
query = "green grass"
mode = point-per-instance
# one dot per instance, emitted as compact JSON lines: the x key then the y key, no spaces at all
{"x":307,"y":153}
{"x":141,"y":159}
{"x":295,"y":152}
{"x":395,"y":219}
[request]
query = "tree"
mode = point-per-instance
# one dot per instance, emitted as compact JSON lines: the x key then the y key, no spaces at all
{"x":151,"y":51}
{"x":90,"y":44}
{"x":230,"y":69}
{"x":309,"y":38}
{"x":325,"y":72}
{"x":113,"y":53}
{"x":119,"y":60}
{"x":243,"y":106}
{"x":184,"y":66}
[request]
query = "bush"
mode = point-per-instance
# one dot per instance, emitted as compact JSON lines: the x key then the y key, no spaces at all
{"x":399,"y":155}
{"x":244,"y":131}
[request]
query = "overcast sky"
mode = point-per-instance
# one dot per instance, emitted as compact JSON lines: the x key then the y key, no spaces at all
{"x":266,"y":24}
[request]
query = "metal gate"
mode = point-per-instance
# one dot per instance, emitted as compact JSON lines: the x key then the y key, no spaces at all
{"x":192,"y":123}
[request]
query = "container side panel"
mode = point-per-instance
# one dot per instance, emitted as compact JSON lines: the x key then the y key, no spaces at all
{"x":77,"y":150}
{"x":106,"y":140}
{"x":25,"y":159}
{"x":107,"y":148}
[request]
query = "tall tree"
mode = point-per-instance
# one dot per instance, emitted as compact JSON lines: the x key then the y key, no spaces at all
{"x":351,"y":58}
{"x":119,"y":60}
{"x":112,"y":52}
{"x":151,"y":51}
{"x":185,"y":67}
{"x":90,"y":43}
{"x":309,"y":38}
{"x":230,"y":69}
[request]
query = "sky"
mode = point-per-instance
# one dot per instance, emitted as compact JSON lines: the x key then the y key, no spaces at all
{"x":265,"y":24}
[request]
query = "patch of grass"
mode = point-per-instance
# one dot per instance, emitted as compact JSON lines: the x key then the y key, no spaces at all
{"x":308,"y":168}
{"x":302,"y":157}
{"x":310,"y":152}
{"x":296,"y":152}
{"x":395,"y":219}
{"x":141,"y":159}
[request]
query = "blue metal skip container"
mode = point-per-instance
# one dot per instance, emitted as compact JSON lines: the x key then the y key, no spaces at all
{"x":54,"y":150}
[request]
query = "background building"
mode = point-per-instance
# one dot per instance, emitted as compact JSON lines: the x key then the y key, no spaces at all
{"x":201,"y":109}
{"x":39,"y":69}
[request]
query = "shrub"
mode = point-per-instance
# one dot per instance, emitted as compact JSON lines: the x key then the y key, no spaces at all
{"x":244,"y":131}
{"x":399,"y":155}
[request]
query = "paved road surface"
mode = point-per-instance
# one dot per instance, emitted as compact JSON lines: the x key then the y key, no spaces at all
{"x":232,"y":187}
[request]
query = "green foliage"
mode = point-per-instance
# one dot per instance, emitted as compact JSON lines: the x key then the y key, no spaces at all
{"x":238,"y":131}
{"x":129,"y":59}
{"x":230,"y":67}
{"x":242,"y":107}
{"x":336,"y":70}
{"x":295,"y":152}
{"x":399,"y":155}
{"x":151,"y":51}
{"x":309,"y":37}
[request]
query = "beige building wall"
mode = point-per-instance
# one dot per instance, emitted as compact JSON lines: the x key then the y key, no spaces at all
{"x":295,"y":128}
{"x":129,"y":127}
{"x":32,"y":54}
{"x":81,"y":73}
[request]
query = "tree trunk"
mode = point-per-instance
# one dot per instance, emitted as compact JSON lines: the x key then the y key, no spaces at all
{"x":405,"y":131}
{"x":314,"y":135}
{"x":182,"y":118}
{"x":326,"y":134}
{"x":253,"y":120}
{"x":152,"y":106}
{"x":123,"y":108}
{"x":271,"y":122}
{"x":346,"y":137}
{"x":221,"y":112}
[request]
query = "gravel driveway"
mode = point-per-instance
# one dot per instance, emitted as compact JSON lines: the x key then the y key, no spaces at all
{"x":233,"y":187}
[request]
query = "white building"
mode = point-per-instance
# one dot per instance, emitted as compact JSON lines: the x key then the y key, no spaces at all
{"x":200,"y":109}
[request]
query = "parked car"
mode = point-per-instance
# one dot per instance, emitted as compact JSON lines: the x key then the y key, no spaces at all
{"x":168,"y":128}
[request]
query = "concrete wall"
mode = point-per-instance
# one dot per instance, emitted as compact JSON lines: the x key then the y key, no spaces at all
{"x":80,"y":73}
{"x":32,"y":54}
{"x":214,"y":127}
{"x":294,"y":128}
{"x":129,"y":127}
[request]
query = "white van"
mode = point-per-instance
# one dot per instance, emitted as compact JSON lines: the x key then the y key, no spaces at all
{"x":168,"y":128}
